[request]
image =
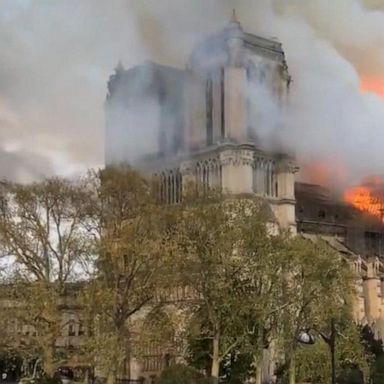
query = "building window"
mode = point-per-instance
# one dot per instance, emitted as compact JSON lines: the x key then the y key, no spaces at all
{"x":265,"y":178}
{"x":222,"y":92}
{"x":208,"y":175}
{"x":81,"y":329}
{"x":71,"y":329}
{"x":209,"y":110}
{"x":170,"y":187}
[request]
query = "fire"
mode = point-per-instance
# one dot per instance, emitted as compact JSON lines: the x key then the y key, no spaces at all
{"x":368,"y":197}
{"x":372,"y":84}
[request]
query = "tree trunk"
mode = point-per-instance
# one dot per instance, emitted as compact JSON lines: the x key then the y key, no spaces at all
{"x":128,"y":360}
{"x":86,"y":377}
{"x":258,"y":355}
{"x":114,"y":369}
{"x":111,"y":379}
{"x":125,"y":348}
{"x":127,"y":367}
{"x":215,"y":369}
{"x":292,"y":369}
{"x":258,"y":373}
{"x":332,"y":343}
{"x":48,"y":361}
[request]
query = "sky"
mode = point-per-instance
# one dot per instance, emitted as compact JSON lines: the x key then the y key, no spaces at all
{"x":57,"y":55}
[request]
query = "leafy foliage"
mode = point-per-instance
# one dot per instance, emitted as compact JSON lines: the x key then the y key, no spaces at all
{"x":176,"y":374}
{"x":133,"y":247}
{"x":255,"y":284}
{"x":213,"y":238}
{"x":313,"y":363}
{"x":42,"y":232}
{"x":235,"y":368}
{"x":374,"y":347}
{"x":320,"y":284}
{"x":250,"y":284}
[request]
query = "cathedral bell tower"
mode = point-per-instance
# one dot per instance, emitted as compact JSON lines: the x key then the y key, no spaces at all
{"x":221,"y":124}
{"x":235,"y":83}
{"x":210,"y":120}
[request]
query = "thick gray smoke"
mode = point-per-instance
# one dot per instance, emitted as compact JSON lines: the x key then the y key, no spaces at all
{"x":56,"y":57}
{"x":329,"y":48}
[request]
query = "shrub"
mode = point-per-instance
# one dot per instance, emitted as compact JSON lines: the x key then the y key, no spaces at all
{"x":178,"y":373}
{"x":49,"y":380}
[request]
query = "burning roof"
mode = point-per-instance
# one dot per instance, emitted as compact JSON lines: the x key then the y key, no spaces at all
{"x":320,"y":212}
{"x":368,"y":197}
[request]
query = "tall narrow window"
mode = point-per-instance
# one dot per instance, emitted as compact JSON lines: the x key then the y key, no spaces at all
{"x":250,"y":130}
{"x":163,"y":188}
{"x":209,"y":108}
{"x":81,"y":329}
{"x":179,"y":187}
{"x":222,"y":92}
{"x":71,"y":328}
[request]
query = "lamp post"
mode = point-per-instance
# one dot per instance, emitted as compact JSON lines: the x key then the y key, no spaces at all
{"x":331,"y":342}
{"x":306,"y":338}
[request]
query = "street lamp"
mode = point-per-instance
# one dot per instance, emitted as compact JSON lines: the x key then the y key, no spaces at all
{"x":306,"y":338}
{"x":331,"y":342}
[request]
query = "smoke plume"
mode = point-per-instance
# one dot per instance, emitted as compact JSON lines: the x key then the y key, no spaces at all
{"x":57,"y":57}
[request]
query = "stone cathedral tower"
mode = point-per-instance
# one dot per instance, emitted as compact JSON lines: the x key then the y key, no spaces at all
{"x":201,"y":124}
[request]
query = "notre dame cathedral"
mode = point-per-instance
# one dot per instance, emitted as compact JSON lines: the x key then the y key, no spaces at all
{"x":201,"y":124}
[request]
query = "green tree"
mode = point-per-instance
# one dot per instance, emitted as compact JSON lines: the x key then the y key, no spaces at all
{"x":133,"y":244}
{"x":374,"y":347}
{"x":264,"y":249}
{"x":224,"y":245}
{"x":42,"y":235}
{"x":320,"y":283}
{"x":176,"y":374}
{"x":235,"y":368}
{"x":313,"y":363}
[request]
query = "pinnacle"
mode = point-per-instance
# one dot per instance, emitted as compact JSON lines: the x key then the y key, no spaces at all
{"x":234,"y":17}
{"x":119,"y":66}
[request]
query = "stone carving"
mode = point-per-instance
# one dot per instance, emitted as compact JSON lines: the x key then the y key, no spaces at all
{"x":236,"y":157}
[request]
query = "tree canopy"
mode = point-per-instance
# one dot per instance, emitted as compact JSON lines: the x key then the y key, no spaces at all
{"x":124,"y":256}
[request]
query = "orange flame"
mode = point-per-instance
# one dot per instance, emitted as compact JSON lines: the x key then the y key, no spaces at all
{"x":368,"y":197}
{"x":372,"y":84}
